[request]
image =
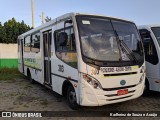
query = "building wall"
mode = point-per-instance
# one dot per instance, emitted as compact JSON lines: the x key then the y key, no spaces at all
{"x":8,"y":55}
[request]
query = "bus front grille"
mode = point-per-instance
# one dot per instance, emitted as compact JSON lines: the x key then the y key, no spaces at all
{"x":120,"y":74}
{"x":120,"y":98}
{"x":118,"y":88}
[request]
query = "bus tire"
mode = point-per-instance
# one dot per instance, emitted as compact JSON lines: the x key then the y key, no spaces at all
{"x":30,"y":78}
{"x":146,"y":87}
{"x":71,"y":98}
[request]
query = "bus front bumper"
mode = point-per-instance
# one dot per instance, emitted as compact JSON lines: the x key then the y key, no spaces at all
{"x":92,"y":97}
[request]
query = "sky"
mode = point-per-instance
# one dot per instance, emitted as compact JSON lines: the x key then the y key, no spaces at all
{"x":140,"y":11}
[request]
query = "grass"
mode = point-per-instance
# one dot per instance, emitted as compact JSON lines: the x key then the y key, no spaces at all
{"x":10,"y":74}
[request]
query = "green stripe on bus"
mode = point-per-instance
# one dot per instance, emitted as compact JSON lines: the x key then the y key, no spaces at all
{"x":10,"y":63}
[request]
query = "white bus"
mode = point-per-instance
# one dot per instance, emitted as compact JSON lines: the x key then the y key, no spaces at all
{"x":93,"y":60}
{"x":151,"y":39}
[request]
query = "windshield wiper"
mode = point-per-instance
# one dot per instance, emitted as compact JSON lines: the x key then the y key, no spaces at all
{"x":125,"y":49}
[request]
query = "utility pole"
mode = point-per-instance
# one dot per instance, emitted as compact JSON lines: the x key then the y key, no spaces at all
{"x":32,"y":13}
{"x":42,"y":17}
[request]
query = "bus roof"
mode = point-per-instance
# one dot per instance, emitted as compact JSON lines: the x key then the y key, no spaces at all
{"x":64,"y":17}
{"x":148,"y":26}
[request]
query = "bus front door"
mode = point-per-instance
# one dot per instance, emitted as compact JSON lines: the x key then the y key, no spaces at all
{"x":47,"y":36}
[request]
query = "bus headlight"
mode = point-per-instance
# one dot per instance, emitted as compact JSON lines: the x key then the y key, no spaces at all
{"x":141,"y":79}
{"x":92,"y":81}
{"x":142,"y":70}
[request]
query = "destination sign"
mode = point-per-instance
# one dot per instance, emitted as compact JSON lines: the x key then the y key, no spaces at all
{"x":116,"y":69}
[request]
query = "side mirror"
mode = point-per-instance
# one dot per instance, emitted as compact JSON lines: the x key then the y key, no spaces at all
{"x":68,"y":21}
{"x":144,"y":32}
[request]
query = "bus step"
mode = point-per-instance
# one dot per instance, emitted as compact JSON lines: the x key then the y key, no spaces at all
{"x":48,"y":86}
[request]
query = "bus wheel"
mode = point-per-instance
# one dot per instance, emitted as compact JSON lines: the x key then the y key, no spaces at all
{"x":146,"y":88}
{"x":71,"y":98}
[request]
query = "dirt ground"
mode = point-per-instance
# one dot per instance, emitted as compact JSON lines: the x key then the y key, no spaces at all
{"x":21,"y":95}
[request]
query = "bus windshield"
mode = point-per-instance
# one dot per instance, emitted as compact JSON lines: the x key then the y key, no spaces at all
{"x":156,"y":31}
{"x":100,"y":39}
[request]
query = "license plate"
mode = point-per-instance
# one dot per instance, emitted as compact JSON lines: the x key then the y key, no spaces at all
{"x":122,"y":92}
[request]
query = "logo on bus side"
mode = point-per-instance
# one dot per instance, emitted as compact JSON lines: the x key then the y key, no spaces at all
{"x":122,"y":82}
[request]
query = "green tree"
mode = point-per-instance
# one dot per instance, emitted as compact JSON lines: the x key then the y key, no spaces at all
{"x":1,"y":32}
{"x":11,"y":29}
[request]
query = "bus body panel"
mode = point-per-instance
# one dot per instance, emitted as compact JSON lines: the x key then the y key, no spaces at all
{"x":60,"y":71}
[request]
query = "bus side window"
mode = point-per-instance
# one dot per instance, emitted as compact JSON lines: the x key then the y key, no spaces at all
{"x":35,"y":45}
{"x":149,"y":47}
{"x":27,"y":44}
{"x":65,"y":46}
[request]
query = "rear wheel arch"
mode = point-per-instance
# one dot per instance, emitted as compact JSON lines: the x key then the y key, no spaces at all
{"x":29,"y":76}
{"x":28,"y":73}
